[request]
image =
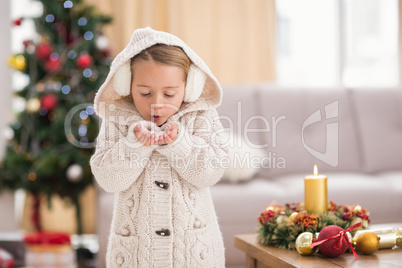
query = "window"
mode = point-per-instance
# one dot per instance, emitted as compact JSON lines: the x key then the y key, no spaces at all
{"x":337,"y":42}
{"x":25,"y":31}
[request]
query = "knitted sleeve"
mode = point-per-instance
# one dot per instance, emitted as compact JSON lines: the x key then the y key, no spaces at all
{"x":119,"y":157}
{"x":198,"y":150}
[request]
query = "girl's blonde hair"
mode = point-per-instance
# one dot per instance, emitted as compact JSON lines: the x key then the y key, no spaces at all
{"x":164,"y":54}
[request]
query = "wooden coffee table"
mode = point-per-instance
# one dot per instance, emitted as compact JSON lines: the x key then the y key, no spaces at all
{"x":259,"y":256}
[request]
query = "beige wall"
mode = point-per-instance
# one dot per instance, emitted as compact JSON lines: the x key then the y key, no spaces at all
{"x":234,"y":37}
{"x":400,"y":41}
{"x":6,"y":198}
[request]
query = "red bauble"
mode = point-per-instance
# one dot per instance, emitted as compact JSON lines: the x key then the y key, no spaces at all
{"x":53,"y":66}
{"x":330,"y":248}
{"x":48,"y":101}
{"x":43,"y":51}
{"x":84,"y":61}
{"x":17,"y":22}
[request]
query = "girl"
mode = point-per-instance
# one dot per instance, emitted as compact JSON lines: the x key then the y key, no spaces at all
{"x":159,"y":150}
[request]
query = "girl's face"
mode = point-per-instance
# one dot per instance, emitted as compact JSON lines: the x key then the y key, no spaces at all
{"x":157,"y":90}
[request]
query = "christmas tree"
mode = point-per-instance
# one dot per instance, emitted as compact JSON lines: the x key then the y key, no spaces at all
{"x":52,"y":139}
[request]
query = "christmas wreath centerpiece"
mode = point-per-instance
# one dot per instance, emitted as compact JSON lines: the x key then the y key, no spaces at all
{"x":281,"y":225}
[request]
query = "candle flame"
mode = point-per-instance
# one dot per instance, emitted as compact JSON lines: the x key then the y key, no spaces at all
{"x":315,"y":170}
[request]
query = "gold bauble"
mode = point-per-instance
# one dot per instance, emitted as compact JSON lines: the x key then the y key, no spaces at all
{"x":368,"y":243}
{"x":18,"y":62}
{"x":33,"y":105}
{"x":303,"y":242}
{"x":282,"y":219}
{"x":293,"y":216}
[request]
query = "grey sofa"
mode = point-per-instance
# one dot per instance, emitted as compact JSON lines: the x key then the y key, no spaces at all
{"x":353,"y":135}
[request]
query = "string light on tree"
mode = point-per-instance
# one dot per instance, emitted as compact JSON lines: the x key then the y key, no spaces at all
{"x":82,"y":21}
{"x":50,"y":18}
{"x":68,"y":4}
{"x":75,"y":173}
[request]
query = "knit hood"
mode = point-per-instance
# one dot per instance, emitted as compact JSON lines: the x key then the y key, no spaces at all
{"x":201,"y":85}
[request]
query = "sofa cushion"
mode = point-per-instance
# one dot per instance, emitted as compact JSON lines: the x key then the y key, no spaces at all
{"x":391,"y":199}
{"x":238,"y":106}
{"x":242,"y":202}
{"x":379,"y":122}
{"x":244,"y":160}
{"x":308,"y":127}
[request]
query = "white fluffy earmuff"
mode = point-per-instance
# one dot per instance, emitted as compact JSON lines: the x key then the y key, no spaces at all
{"x":195,"y":83}
{"x":122,"y":79}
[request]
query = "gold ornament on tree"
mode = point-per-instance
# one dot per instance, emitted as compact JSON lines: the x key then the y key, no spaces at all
{"x":33,"y":105}
{"x":18,"y":62}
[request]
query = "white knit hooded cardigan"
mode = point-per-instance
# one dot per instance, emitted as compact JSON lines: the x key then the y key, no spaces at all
{"x":163,"y":211}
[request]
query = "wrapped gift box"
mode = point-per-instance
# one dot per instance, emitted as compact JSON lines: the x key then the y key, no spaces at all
{"x":12,"y":242}
{"x":6,"y":259}
{"x":49,"y":250}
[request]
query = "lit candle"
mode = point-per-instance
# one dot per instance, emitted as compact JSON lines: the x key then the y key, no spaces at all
{"x":315,"y":193}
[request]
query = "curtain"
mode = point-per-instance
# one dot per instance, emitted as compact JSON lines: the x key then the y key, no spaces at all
{"x":236,"y":38}
{"x":400,"y":39}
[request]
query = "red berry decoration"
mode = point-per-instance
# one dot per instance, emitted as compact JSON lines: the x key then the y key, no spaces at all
{"x":26,"y":43}
{"x":48,"y":101}
{"x":332,"y":247}
{"x":43,"y":51}
{"x":84,"y":61}
{"x":17,"y":22}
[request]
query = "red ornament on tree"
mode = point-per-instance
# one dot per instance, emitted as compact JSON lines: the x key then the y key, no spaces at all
{"x":43,"y":51}
{"x":53,"y":66}
{"x":17,"y":22}
{"x":48,"y":101}
{"x":84,"y":61}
